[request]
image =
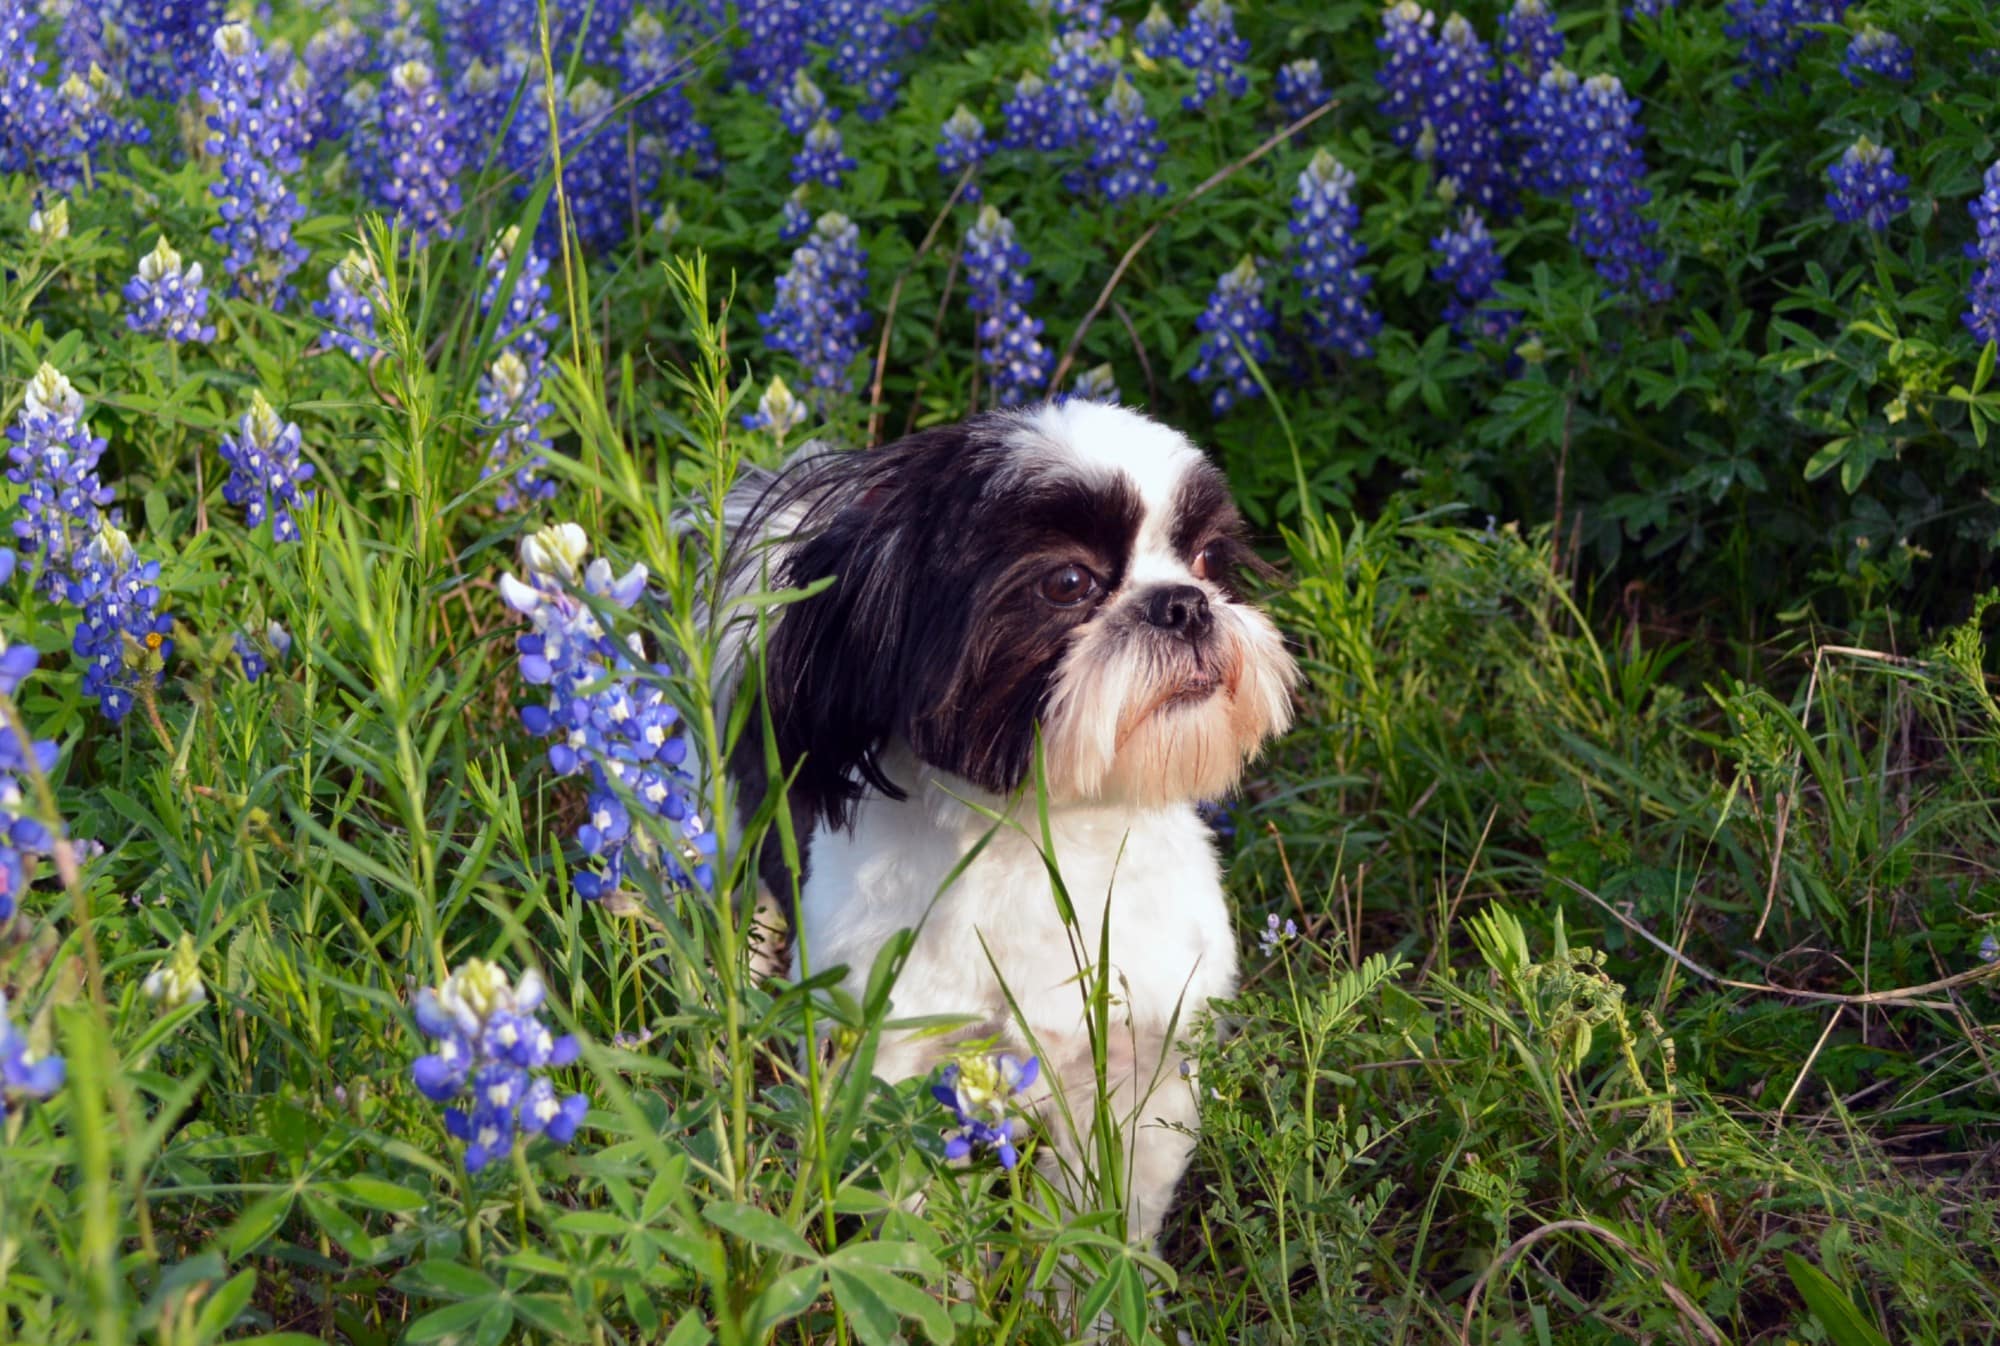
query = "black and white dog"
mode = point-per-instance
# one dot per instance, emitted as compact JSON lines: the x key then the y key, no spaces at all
{"x":1073,"y":569}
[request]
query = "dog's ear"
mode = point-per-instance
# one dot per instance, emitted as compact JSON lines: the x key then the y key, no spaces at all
{"x":844,"y":665}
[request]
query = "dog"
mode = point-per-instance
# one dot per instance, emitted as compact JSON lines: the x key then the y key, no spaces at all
{"x":1033,"y":607}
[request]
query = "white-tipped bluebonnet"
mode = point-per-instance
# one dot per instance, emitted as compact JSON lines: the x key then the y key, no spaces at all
{"x":1982,"y":314}
{"x":1155,"y":33}
{"x":1459,"y":119}
{"x":1409,"y":54}
{"x":802,"y":105}
{"x":52,"y":457}
{"x":1470,"y":265}
{"x":1030,"y":113}
{"x":984,"y":1092}
{"x":353,"y":295}
{"x":777,"y":411}
{"x":1327,"y":251}
{"x":168,"y":299}
{"x":1867,"y":189}
{"x":489,"y":1049}
{"x":608,"y":172}
{"x":998,"y":290}
{"x":795,"y":215}
{"x":267,"y":470}
{"x":84,"y":101}
{"x":24,"y":837}
{"x":34,"y":125}
{"x":24,"y":1072}
{"x":1544,"y":131}
{"x":1532,"y":47}
{"x":421,"y":154}
{"x":169,"y":43}
{"x":1528,"y":37}
{"x":1300,"y":88}
{"x":1082,"y":64}
{"x":258,"y":652}
{"x":1236,"y":324}
{"x":1208,"y":46}
{"x":1125,"y":147}
{"x":1876,"y":52}
{"x":608,"y":717}
{"x":774,"y":44}
{"x":655,"y":71}
{"x":588,"y":30}
{"x":1590,"y":145}
{"x":49,"y":224}
{"x":1774,"y":32}
{"x":255,"y":138}
{"x":860,"y":37}
{"x":333,"y":56}
{"x":818,"y":318}
{"x":176,"y":979}
{"x":1649,"y":9}
{"x":962,"y":144}
{"x":481,"y":30}
{"x":821,"y":159}
{"x":512,"y":390}
{"x":1275,"y":935}
{"x":1099,"y":383}
{"x":122,"y":639}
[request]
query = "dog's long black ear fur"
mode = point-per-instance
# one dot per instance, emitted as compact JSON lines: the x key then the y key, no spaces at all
{"x":841,"y":664}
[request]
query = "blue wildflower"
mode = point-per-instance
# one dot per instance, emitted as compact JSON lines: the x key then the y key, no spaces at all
{"x":1083,"y":64}
{"x":169,"y":42}
{"x":123,"y":637}
{"x":608,"y":717}
{"x":1409,"y":54}
{"x":1099,"y":383}
{"x":421,"y":154}
{"x":333,"y":56}
{"x":962,"y":144}
{"x":1774,"y":32}
{"x":34,"y":124}
{"x":167,"y":298}
{"x":802,"y":105}
{"x":998,"y":290}
{"x":1031,"y":117}
{"x":1301,"y":88}
{"x":24,"y":1072}
{"x":511,"y":392}
{"x":256,"y":141}
{"x":607,"y":172}
{"x":1590,"y":145}
{"x":860,"y":37}
{"x":353,"y":296}
{"x":1528,"y":38}
{"x":656,"y":73}
{"x":1125,"y":151}
{"x":1867,"y":189}
{"x":774,"y":43}
{"x":1235,"y":322}
{"x":1982,"y":315}
{"x":1275,"y":936}
{"x":53,"y":459}
{"x":818,"y":317}
{"x":794,"y":216}
{"x":820,"y":159}
{"x":777,"y":411}
{"x":267,"y":470}
{"x":1208,"y":46}
{"x":1878,"y":53}
{"x":1155,"y":34}
{"x":1327,"y":250}
{"x":983,"y":1091}
{"x":585,"y":29}
{"x":87,"y":125}
{"x":257,"y":653}
{"x":1470,"y":264}
{"x":489,"y":1046}
{"x":24,"y":838}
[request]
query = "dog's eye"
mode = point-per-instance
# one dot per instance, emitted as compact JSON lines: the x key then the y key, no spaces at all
{"x":1211,"y":561}
{"x":1068,"y":585}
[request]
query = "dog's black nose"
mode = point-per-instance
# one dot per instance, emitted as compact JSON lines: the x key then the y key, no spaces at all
{"x":1179,"y":608}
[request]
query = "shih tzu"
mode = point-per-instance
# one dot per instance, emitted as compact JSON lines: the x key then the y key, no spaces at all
{"x":1067,"y":581}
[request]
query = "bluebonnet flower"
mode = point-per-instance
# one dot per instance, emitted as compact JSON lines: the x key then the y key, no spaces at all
{"x":1867,"y":189}
{"x":24,"y":1072}
{"x":256,"y":655}
{"x":655,"y":71}
{"x":169,"y":40}
{"x":962,"y":144}
{"x":34,"y":125}
{"x":1470,"y":264}
{"x":1301,"y":88}
{"x":333,"y":56}
{"x":1327,"y":250}
{"x":256,"y":144}
{"x":23,"y":836}
{"x":802,"y":105}
{"x":1083,"y":64}
{"x":123,"y":637}
{"x":176,"y":979}
{"x":818,"y":317}
{"x":1591,"y":146}
{"x":167,"y":298}
{"x":481,"y":30}
{"x":49,"y":224}
{"x":1409,"y":54}
{"x":84,"y":101}
{"x":1220,"y":817}
{"x":589,"y":29}
{"x":983,"y":1092}
{"x":608,"y":716}
{"x":774,"y":43}
{"x":353,"y":294}
{"x":794,"y":216}
{"x":489,"y":1047}
{"x":1208,"y":46}
{"x":1274,"y":936}
{"x":1528,"y":35}
{"x":267,"y":470}
{"x":1125,"y":151}
{"x":1236,"y":316}
{"x":1545,"y":131}
{"x":511,"y":390}
{"x":53,"y":458}
{"x":1099,"y":383}
{"x":1460,"y":120}
{"x":1649,"y":9}
{"x":1774,"y":32}
{"x":820,"y":159}
{"x":1528,"y":38}
{"x":860,"y":38}
{"x":1878,"y":53}
{"x":998,"y":290}
{"x":777,"y":411}
{"x":485,"y":94}
{"x":1030,"y":113}
{"x":422,"y":159}
{"x":1155,"y":34}
{"x":1982,"y":315}
{"x":605,"y":178}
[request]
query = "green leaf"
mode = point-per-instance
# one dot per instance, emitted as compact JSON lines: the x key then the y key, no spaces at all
{"x":224,"y":1306}
{"x":1827,"y":458}
{"x":256,"y":1224}
{"x":1844,"y":1323}
{"x":375,"y":1194}
{"x":453,"y":1320}
{"x":861,"y":1290}
{"x":887,"y":1257}
{"x":448,"y":1280}
{"x":785,"y":1298}
{"x":757,"y":1227}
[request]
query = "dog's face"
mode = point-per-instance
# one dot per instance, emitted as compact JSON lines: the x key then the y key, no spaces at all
{"x":1075,"y":567}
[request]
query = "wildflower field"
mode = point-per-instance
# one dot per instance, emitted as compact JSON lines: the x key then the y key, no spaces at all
{"x":1612,"y":384}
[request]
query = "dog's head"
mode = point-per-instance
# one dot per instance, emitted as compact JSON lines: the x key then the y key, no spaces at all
{"x":1075,"y":566}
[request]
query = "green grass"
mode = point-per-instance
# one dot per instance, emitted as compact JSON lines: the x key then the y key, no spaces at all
{"x":1598,"y":1030}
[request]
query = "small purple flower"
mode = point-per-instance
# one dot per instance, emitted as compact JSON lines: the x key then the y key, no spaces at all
{"x":820,"y":159}
{"x":257,"y":653}
{"x":1867,"y":189}
{"x":53,"y":458}
{"x":1327,"y":250}
{"x":818,"y":317}
{"x":1235,"y":323}
{"x":1469,"y":264}
{"x":24,"y":1072}
{"x":123,"y":640}
{"x":422,"y":159}
{"x":511,"y":392}
{"x":1774,"y":32}
{"x":1126,"y":149}
{"x":1099,"y":383}
{"x":1155,"y":34}
{"x":983,"y":1093}
{"x":962,"y":144}
{"x":795,"y":215}
{"x":1982,"y":315}
{"x":777,"y":411}
{"x":1032,"y":122}
{"x":256,"y":138}
{"x":168,"y":299}
{"x":1409,"y":55}
{"x":802,"y":105}
{"x":1301,"y":88}
{"x":1274,"y":936}
{"x":1010,"y":345}
{"x":267,"y":470}
{"x":1875,"y":52}
{"x":1208,"y":46}
{"x":334,"y":55}
{"x":353,"y":294}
